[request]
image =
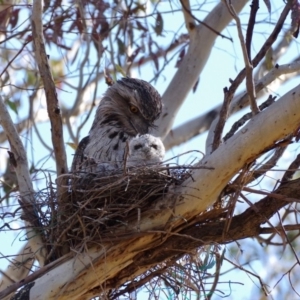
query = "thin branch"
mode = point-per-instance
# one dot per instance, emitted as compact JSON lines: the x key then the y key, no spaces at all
{"x":219,"y":261}
{"x":185,"y":132}
{"x":273,"y":36}
{"x":294,"y":166}
{"x":269,"y":230}
{"x":247,"y":224}
{"x":188,"y":15}
{"x":211,"y":135}
{"x":50,"y":89}
{"x":248,"y":65}
{"x":287,"y":239}
{"x":278,"y":51}
{"x":53,"y":108}
{"x":273,"y":195}
{"x":192,"y":64}
{"x":263,"y":285}
{"x":254,"y":175}
{"x":19,"y":161}
{"x":262,"y":52}
{"x":271,"y":163}
{"x":202,"y":123}
{"x":17,"y":54}
{"x":247,"y":117}
{"x":221,"y":121}
{"x":254,"y":8}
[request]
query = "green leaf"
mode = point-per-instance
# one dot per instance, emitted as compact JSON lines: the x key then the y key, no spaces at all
{"x":120,"y":70}
{"x":121,"y":47}
{"x":72,"y":145}
{"x":31,"y":78}
{"x":13,"y":106}
{"x":269,"y":59}
{"x":57,"y":68}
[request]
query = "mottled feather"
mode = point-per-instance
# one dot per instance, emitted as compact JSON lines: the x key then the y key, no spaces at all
{"x":128,"y":108}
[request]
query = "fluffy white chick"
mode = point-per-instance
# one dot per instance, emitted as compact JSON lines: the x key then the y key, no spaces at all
{"x":144,"y":150}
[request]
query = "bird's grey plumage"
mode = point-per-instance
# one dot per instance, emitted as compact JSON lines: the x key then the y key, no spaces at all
{"x":129,"y":107}
{"x":145,"y":150}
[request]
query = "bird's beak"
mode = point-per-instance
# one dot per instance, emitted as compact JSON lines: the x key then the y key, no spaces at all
{"x":132,"y":125}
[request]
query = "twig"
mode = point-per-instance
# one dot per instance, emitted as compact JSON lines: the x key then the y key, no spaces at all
{"x":248,"y":65}
{"x":233,"y":199}
{"x":254,"y":8}
{"x":262,"y":52}
{"x":271,"y":163}
{"x":221,"y":121}
{"x":251,"y":93}
{"x":183,"y":3}
{"x":273,"y":195}
{"x":291,"y":169}
{"x":200,"y":124}
{"x":273,"y":36}
{"x":287,"y":239}
{"x":263,"y":286}
{"x":211,"y":135}
{"x":219,"y":261}
{"x":269,"y":230}
{"x":247,"y":117}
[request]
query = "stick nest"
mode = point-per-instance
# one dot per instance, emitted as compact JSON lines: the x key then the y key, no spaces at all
{"x":97,"y":208}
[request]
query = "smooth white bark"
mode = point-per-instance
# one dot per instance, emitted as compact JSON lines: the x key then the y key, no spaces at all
{"x":202,"y":40}
{"x":18,"y":268}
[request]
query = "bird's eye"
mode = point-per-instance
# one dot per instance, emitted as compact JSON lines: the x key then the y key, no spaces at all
{"x":134,"y":109}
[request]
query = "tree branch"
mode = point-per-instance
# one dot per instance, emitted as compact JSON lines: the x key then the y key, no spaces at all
{"x":202,"y":123}
{"x":217,"y":130}
{"x":251,"y":23}
{"x":204,"y":232}
{"x":17,"y":270}
{"x":248,"y":65}
{"x":193,"y":63}
{"x":50,"y":89}
{"x":18,"y":159}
